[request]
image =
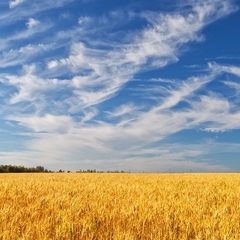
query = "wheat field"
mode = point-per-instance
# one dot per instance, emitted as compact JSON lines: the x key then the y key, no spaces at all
{"x":119,"y":206}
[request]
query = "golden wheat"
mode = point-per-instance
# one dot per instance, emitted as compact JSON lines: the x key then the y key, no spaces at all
{"x":119,"y":206}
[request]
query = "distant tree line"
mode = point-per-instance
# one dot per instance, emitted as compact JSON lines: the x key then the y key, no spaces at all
{"x":22,"y":169}
{"x":41,"y":169}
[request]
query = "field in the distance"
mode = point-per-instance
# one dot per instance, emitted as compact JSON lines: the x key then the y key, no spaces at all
{"x":119,"y":206}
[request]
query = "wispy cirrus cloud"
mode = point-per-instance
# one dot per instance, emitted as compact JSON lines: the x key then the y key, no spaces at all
{"x":21,"y":9}
{"x":12,"y":48}
{"x":154,"y":47}
{"x":22,"y":55}
{"x":123,"y":110}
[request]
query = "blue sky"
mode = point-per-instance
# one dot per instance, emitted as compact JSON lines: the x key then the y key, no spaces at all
{"x":128,"y":85}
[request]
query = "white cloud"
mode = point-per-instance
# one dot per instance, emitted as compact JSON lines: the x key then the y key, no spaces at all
{"x":184,"y":90}
{"x":84,"y":20}
{"x":89,"y":115}
{"x":123,"y":110}
{"x":48,"y":123}
{"x":153,"y":47}
{"x":233,"y":85}
{"x":21,"y":55}
{"x":31,"y":8}
{"x":15,"y":3}
{"x":78,"y":151}
{"x":232,"y":69}
{"x":52,"y":64}
{"x":32,"y":22}
{"x":31,"y":88}
{"x":34,"y":28}
{"x":144,"y":128}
